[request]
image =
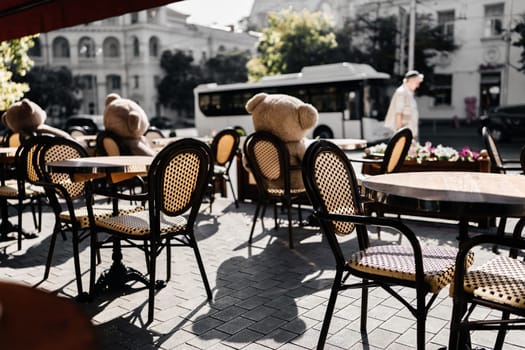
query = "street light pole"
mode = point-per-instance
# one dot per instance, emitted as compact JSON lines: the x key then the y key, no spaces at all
{"x":412,"y":34}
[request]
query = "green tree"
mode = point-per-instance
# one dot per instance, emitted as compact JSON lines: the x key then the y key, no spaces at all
{"x":53,"y":88}
{"x":181,"y":77}
{"x":227,"y":68}
{"x":13,"y":61}
{"x":291,"y":41}
{"x":519,"y":28}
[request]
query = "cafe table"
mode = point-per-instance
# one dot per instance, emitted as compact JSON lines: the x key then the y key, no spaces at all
{"x":35,"y":319}
{"x":114,"y":169}
{"x":460,"y":195}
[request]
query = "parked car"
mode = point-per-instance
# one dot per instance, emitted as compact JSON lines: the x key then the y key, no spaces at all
{"x":162,"y":123}
{"x":505,"y":122}
{"x":91,"y":124}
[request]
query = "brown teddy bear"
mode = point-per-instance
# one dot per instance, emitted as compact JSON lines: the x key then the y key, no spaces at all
{"x":26,"y":117}
{"x":127,"y":119}
{"x":289,"y":119}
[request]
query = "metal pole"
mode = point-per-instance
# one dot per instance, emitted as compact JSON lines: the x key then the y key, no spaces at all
{"x":412,"y":35}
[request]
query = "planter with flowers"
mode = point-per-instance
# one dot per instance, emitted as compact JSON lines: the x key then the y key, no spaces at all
{"x":433,"y":158}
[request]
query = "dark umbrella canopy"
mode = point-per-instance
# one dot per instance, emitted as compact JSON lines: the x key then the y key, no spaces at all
{"x":25,"y":17}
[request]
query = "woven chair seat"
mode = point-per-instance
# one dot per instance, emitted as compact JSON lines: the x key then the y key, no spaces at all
{"x":501,"y":280}
{"x":10,"y":190}
{"x":137,"y":224}
{"x":102,"y":211}
{"x":397,"y":261}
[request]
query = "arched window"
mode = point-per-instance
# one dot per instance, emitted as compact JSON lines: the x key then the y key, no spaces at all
{"x":154,"y":46}
{"x":60,"y":47}
{"x":36,"y":50}
{"x":136,"y":47}
{"x":86,"y":47}
{"x":111,"y":47}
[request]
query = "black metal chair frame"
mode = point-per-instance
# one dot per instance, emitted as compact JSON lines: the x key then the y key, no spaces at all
{"x":222,"y":164}
{"x":360,"y":221}
{"x":262,"y":179}
{"x":460,"y":323}
{"x":157,"y":198}
{"x":59,"y":191}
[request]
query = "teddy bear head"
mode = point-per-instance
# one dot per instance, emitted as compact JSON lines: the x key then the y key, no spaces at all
{"x":285,"y":116}
{"x":24,"y":116}
{"x":124,"y":117}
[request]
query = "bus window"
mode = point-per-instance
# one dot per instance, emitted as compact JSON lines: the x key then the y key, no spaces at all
{"x":352,"y":106}
{"x":325,"y":99}
{"x":378,"y":101}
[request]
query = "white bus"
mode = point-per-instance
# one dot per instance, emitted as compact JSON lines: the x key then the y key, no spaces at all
{"x":352,"y":100}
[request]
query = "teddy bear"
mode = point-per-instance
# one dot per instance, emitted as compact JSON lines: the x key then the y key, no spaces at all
{"x":27,"y":118}
{"x":127,"y":119}
{"x":289,"y":119}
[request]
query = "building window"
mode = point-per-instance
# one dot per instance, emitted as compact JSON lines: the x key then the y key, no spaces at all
{"x":113,"y":83}
{"x":493,"y":20}
{"x":442,"y":89}
{"x":152,"y":15}
{"x":154,"y":46}
{"x":36,"y":50}
{"x":134,"y":17}
{"x":111,"y":47}
{"x":136,"y":82}
{"x":60,"y":47}
{"x":446,"y":23}
{"x":136,"y":47}
{"x":86,"y":48}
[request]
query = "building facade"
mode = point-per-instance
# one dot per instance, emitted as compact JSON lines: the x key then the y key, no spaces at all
{"x":122,"y":54}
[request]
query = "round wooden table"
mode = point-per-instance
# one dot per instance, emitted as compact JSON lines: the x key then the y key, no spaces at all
{"x":33,"y":319}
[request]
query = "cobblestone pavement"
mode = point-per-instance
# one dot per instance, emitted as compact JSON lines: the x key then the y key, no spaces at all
{"x":266,"y":296}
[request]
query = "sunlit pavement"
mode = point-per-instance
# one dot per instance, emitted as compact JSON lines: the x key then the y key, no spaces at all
{"x":265,"y":296}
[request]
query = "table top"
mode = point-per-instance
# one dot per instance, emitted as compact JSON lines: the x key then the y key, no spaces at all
{"x":97,"y":165}
{"x":460,"y":194}
{"x":34,"y":319}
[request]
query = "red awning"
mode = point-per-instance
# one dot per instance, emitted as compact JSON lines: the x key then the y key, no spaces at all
{"x":25,"y":17}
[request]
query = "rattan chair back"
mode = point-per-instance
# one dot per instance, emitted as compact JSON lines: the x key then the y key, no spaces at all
{"x":396,"y":151}
{"x":57,"y":149}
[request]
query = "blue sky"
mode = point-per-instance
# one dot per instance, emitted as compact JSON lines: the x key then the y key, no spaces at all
{"x":214,"y":12}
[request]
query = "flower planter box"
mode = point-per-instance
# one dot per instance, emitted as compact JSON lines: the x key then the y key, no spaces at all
{"x":480,"y":165}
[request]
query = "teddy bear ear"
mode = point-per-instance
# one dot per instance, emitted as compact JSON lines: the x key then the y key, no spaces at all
{"x":307,"y":116}
{"x":111,"y":97}
{"x":133,"y":121}
{"x":254,"y":101}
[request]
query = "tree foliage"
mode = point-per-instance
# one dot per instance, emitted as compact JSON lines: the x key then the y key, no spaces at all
{"x":291,"y":41}
{"x":227,"y":68}
{"x":53,"y":88}
{"x":13,"y":61}
{"x":176,"y":88}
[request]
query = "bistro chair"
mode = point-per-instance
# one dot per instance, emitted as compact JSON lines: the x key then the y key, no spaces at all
{"x":178,"y":178}
{"x":390,"y":162}
{"x":332,"y":187}
{"x":269,"y":162}
{"x":224,"y":147}
{"x":498,"y":165}
{"x":498,"y":284}
{"x":109,"y":144}
{"x":395,"y":153}
{"x":24,"y":189}
{"x":67,"y":197}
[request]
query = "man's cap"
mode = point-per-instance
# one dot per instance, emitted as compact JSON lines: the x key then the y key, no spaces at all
{"x":414,"y":73}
